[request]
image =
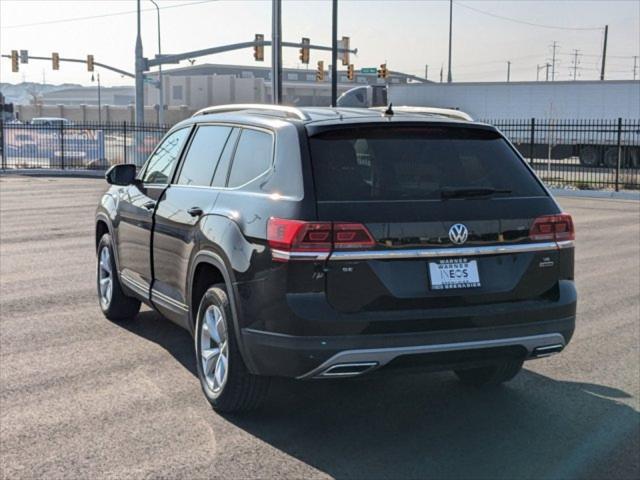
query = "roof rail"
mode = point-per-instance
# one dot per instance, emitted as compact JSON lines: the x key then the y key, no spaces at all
{"x":292,"y":112}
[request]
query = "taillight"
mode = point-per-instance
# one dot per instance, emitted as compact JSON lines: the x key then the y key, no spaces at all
{"x":351,"y":235}
{"x":299,"y":236}
{"x":296,"y":235}
{"x":556,"y":228}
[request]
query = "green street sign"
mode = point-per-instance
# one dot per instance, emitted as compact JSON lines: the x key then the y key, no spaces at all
{"x":369,"y":70}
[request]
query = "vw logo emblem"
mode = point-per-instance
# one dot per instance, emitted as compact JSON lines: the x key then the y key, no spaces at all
{"x":458,"y":233}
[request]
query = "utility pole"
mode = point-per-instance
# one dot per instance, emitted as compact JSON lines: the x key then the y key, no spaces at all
{"x":450,"y":37}
{"x":635,"y":66}
{"x":441,"y":70}
{"x":99,"y":98}
{"x":426,"y":72}
{"x":546,"y":76}
{"x":554,"y":47}
{"x":276,"y":51}
{"x":160,"y":93}
{"x":139,"y":75}
{"x":604,"y":51}
{"x":334,"y":52}
{"x":538,"y":68}
{"x":575,"y":64}
{"x":508,"y":70}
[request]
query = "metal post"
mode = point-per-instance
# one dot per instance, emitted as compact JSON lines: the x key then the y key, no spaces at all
{"x":276,"y":51}
{"x":124,"y":139}
{"x":532,"y":140}
{"x":62,"y":145}
{"x":3,"y":152}
{"x":604,"y":51}
{"x":508,"y":70}
{"x":139,"y":75}
{"x":334,"y":52}
{"x":99,"y":102}
{"x":160,"y":93}
{"x":450,"y":36}
{"x":426,"y":72}
{"x":619,"y":161}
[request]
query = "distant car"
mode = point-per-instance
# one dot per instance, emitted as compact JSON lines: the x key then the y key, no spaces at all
{"x":323,"y":243}
{"x":50,"y":121}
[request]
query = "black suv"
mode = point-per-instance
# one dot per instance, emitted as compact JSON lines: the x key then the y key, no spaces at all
{"x":321,"y":243}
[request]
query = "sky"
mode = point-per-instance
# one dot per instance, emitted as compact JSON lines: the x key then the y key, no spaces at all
{"x":406,"y":34}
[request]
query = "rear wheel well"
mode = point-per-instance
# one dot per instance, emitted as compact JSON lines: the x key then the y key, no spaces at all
{"x":204,"y":276}
{"x":101,"y":229}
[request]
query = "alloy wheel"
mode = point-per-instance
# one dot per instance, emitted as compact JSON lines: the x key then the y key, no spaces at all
{"x":214,"y":349}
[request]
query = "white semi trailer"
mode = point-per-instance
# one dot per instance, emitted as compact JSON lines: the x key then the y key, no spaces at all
{"x":584,"y":119}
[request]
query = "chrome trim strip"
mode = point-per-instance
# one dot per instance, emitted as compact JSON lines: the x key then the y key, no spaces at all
{"x":441,"y":252}
{"x":308,"y":256}
{"x":384,"y":355}
{"x":566,"y":244}
{"x":166,"y":299}
{"x":137,"y":287}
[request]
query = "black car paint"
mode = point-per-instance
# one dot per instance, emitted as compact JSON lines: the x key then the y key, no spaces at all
{"x":292,"y":316}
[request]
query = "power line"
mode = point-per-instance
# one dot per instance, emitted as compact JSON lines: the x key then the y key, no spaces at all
{"x":515,"y":20}
{"x":91,"y":17}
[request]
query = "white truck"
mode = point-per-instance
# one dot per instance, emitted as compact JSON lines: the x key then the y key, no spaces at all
{"x":556,"y":120}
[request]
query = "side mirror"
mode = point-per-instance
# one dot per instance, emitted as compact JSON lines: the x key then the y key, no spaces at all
{"x":124,"y":174}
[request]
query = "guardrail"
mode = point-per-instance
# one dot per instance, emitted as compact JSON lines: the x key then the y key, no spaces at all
{"x":585,"y":154}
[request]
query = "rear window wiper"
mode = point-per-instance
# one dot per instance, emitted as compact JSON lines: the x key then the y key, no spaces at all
{"x":470,"y":192}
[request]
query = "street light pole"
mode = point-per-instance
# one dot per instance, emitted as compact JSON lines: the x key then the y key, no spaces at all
{"x":160,"y":91}
{"x":450,"y":36}
{"x":276,"y":51}
{"x":139,"y":75}
{"x":334,"y":52}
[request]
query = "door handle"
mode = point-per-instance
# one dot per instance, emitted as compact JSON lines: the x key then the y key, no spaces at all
{"x":149,"y":205}
{"x":195,"y":211}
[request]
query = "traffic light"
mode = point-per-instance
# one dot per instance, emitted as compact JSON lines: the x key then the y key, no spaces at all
{"x":304,"y":51}
{"x":55,"y":61}
{"x":345,"y":52}
{"x":15,"y":66}
{"x":350,"y":72}
{"x":382,"y":71}
{"x":89,"y":63}
{"x":320,"y":71}
{"x":258,"y":50}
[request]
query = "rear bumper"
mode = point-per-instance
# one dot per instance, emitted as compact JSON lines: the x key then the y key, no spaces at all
{"x":311,"y":356}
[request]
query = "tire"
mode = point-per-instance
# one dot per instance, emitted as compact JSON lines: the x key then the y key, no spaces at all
{"x":115,"y":306}
{"x":590,"y":156}
{"x":227,"y":384}
{"x":490,"y":376}
{"x":611,"y":157}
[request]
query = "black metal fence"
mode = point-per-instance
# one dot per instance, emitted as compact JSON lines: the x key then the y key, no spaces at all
{"x":54,"y":144}
{"x":587,"y":154}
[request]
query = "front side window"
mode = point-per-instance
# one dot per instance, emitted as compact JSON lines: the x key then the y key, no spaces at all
{"x":203,"y":155}
{"x":252,"y":158}
{"x":161,"y":163}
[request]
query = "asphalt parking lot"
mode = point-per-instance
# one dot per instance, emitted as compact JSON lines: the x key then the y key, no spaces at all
{"x":82,"y":397}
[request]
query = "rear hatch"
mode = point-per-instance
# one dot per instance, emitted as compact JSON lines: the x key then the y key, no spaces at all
{"x":455,"y":217}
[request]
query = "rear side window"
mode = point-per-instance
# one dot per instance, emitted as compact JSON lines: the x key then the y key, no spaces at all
{"x":202,"y":157}
{"x":252,"y":158}
{"x":415,"y":163}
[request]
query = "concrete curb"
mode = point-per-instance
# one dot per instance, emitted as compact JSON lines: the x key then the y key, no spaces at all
{"x":561,"y":192}
{"x":45,"y":172}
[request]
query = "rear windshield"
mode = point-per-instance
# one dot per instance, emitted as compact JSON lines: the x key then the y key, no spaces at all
{"x":416,"y":163}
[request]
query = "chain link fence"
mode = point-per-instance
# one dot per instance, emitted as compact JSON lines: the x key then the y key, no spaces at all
{"x":586,"y":154}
